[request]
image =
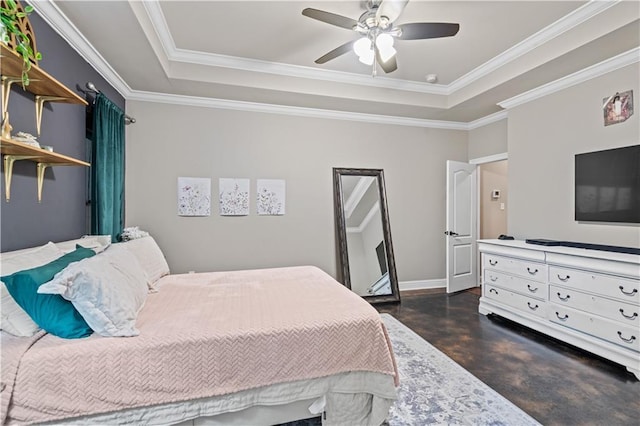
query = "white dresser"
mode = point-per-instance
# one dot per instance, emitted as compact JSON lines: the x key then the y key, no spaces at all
{"x":588,"y":298}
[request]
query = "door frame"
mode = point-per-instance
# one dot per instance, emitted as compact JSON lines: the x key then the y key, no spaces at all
{"x":479,"y":161}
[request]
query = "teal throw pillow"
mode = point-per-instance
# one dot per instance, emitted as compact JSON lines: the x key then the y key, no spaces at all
{"x":50,"y":311}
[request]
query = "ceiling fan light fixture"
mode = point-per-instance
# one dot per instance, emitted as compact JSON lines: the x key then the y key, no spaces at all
{"x":384,"y":40}
{"x":362,"y":46}
{"x":387,"y":53}
{"x":377,"y":29}
{"x":367,"y":57}
{"x":384,"y":43}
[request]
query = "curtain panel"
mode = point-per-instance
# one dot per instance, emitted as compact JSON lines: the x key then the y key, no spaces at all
{"x":107,"y":169}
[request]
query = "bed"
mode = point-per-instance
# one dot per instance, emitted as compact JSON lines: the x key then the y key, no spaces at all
{"x":240,"y":347}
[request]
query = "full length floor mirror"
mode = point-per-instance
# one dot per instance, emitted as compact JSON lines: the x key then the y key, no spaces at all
{"x":365,"y":251}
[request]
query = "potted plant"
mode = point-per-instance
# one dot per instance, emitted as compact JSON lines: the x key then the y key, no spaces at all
{"x":12,"y":14}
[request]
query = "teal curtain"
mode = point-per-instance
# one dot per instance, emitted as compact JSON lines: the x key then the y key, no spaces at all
{"x":107,"y":169}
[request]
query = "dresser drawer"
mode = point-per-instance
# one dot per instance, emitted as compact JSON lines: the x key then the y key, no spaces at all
{"x":531,"y":270}
{"x":526,"y":304}
{"x":625,"y":313}
{"x":518,"y":284}
{"x":623,"y":289}
{"x":627,"y":336}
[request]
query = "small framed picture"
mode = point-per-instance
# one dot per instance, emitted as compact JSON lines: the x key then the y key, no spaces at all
{"x":618,"y":108}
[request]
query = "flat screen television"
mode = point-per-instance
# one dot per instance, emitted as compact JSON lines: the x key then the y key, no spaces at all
{"x":607,"y":185}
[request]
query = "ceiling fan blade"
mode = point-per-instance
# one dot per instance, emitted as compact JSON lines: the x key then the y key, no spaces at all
{"x":330,"y":18}
{"x":391,"y":9}
{"x":424,"y":30}
{"x":338,"y":51}
{"x":390,"y":66}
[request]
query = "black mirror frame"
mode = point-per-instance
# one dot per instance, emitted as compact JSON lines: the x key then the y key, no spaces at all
{"x":341,"y":231}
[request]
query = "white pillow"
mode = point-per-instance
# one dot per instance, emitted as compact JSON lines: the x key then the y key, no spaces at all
{"x":108,"y":290}
{"x":14,"y":319}
{"x":96,"y":243}
{"x":150,"y":256}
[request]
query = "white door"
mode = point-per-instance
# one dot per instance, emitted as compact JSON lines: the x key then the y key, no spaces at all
{"x":462,"y":227}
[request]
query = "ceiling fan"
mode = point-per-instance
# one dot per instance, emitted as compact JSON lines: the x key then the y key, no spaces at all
{"x":377,"y":30}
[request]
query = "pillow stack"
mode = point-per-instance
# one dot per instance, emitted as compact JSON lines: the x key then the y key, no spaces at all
{"x":70,"y":291}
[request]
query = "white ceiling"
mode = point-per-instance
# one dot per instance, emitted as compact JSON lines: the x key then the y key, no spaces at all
{"x":263,"y":52}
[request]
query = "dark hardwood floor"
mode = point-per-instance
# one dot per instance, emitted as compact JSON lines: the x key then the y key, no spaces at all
{"x":553,"y":382}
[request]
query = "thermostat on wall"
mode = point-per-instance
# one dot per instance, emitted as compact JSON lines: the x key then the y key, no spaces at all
{"x":495,"y":194}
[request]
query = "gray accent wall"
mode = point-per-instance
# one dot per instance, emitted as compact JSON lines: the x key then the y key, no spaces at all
{"x":544,"y":136}
{"x":62,"y":214}
{"x":169,"y":141}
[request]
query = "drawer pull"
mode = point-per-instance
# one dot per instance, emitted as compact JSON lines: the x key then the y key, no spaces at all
{"x":630,"y":317}
{"x":630,"y":293}
{"x":532,"y":272}
{"x":493,"y":290}
{"x":533,"y":308}
{"x":531,"y":289}
{"x":492,"y":278}
{"x":563,"y":279}
{"x":629,"y":340}
{"x":493,"y":262}
{"x":564,"y":299}
{"x":564,"y":318}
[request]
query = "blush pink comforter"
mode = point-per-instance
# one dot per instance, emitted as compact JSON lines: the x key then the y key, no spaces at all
{"x":204,"y":335}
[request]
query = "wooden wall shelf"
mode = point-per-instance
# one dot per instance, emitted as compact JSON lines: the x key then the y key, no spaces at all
{"x":46,"y":89}
{"x":41,"y":83}
{"x":13,"y":151}
{"x":13,"y":147}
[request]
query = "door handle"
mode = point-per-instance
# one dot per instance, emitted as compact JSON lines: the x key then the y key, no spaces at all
{"x":453,"y":234}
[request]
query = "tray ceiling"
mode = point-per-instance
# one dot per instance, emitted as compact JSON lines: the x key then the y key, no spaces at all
{"x":263,"y":52}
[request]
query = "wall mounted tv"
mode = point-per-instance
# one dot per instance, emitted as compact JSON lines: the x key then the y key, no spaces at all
{"x":607,"y":185}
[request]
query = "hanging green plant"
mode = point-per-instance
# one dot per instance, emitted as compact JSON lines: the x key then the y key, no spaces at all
{"x":17,"y":34}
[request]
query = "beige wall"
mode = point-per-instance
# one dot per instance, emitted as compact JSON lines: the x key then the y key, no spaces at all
{"x":544,"y":135}
{"x":488,"y":140}
{"x":493,"y":218}
{"x":169,"y":141}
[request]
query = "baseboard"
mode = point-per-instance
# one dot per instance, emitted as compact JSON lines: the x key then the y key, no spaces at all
{"x":422,"y":284}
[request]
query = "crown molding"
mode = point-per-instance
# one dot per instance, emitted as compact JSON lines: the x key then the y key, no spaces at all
{"x":298,"y":71}
{"x":562,"y":25}
{"x":488,"y":119}
{"x":620,"y":61}
{"x":173,"y":53}
{"x":57,"y":20}
{"x":53,"y":16}
{"x":576,"y":17}
{"x":166,"y":98}
{"x":158,"y":22}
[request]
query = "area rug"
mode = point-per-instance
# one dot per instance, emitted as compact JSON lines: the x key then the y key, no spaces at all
{"x":435,"y":390}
